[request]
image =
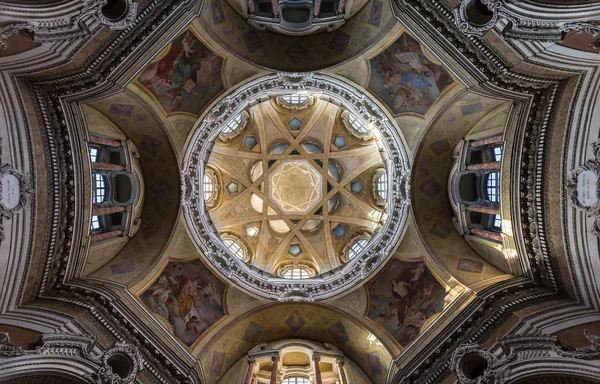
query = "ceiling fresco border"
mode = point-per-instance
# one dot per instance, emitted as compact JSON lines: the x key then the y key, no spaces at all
{"x":337,"y":280}
{"x":190,"y":28}
{"x":53,"y":115}
{"x":402,"y":30}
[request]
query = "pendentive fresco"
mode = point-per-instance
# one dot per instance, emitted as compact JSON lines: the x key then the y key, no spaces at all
{"x":189,"y":297}
{"x":405,"y":78}
{"x":403,"y":298}
{"x":186,"y":78}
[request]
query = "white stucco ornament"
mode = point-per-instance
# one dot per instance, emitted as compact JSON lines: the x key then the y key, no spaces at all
{"x":587,"y":186}
{"x":11,"y":191}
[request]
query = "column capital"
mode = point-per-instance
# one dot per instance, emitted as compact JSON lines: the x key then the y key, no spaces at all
{"x":316,"y":357}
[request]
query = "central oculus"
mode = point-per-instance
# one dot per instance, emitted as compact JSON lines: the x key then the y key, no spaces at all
{"x":295,"y":186}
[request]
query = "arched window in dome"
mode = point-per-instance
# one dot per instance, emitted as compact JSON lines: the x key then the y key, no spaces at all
{"x":99,"y":188}
{"x":236,"y":246}
{"x":380,"y":186}
{"x":311,"y":147}
{"x":210,"y":187}
{"x":492,"y":186}
{"x":356,"y":126}
{"x":295,"y":98}
{"x":335,"y":170}
{"x":296,"y":272}
{"x":356,"y":246}
{"x":295,"y":380}
{"x":234,"y":126}
{"x":295,"y":101}
{"x":279,"y":148}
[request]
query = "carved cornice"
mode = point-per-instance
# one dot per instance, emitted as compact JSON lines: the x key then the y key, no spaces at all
{"x":62,"y":348}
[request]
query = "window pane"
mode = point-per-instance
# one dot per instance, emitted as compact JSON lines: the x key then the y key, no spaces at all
{"x":497,"y":221}
{"x":497,"y":152}
{"x":295,"y":99}
{"x":493,"y":187}
{"x":357,"y":247}
{"x":295,"y":380}
{"x":93,"y":154}
{"x":95,"y":222}
{"x":382,"y":186}
{"x":208,"y":187}
{"x":99,"y":188}
{"x":234,"y":247}
{"x":233,"y":124}
{"x":357,"y":124}
{"x":296,"y":273}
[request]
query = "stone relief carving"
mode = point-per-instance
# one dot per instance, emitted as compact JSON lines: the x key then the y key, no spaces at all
{"x":522,"y":22}
{"x":583,"y":188}
{"x":71,"y":23}
{"x":15,"y":193}
{"x":123,"y":358}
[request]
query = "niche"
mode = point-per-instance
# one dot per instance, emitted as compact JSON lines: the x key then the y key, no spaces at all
{"x":478,"y":13}
{"x":121,"y":364}
{"x":473,"y":366}
{"x":115,"y":9}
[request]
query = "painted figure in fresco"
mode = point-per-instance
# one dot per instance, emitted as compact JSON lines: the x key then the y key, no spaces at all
{"x":189,"y":297}
{"x":187,"y":77}
{"x":405,"y":78}
{"x":403,"y":297}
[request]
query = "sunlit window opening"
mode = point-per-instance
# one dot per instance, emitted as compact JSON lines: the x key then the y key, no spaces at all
{"x":296,"y":273}
{"x":95,"y":222}
{"x":295,"y":380}
{"x":93,"y":154}
{"x":497,"y":221}
{"x":497,"y":152}
{"x":233,"y":124}
{"x":356,"y":248}
{"x":381,"y":186}
{"x":492,"y":184}
{"x":295,"y":99}
{"x":357,"y":124}
{"x":209,"y":190}
{"x":234,"y":247}
{"x":99,"y":188}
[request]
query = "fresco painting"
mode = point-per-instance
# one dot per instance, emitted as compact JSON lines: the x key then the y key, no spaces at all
{"x":189,"y":297}
{"x":403,"y":297}
{"x":186,"y":78}
{"x":405,"y":79}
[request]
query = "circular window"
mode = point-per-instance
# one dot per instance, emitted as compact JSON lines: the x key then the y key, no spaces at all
{"x":300,"y":198}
